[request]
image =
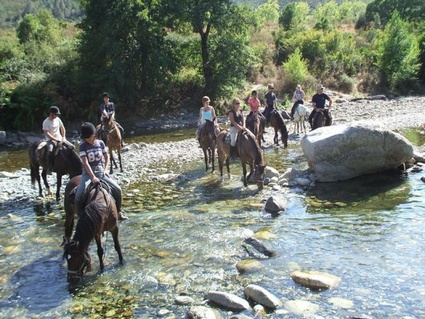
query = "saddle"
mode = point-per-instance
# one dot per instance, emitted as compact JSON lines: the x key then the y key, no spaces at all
{"x":73,"y":192}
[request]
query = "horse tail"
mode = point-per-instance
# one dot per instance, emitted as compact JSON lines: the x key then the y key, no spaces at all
{"x":34,"y":168}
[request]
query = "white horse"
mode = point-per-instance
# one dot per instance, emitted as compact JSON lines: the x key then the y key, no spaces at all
{"x":300,"y":115}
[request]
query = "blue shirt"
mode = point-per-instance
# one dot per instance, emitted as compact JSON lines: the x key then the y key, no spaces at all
{"x":320,"y":100}
{"x":94,"y":154}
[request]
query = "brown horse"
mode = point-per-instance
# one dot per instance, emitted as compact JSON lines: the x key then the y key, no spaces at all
{"x":109,"y":132}
{"x":66,"y":161}
{"x":253,"y":123}
{"x":278,"y":124}
{"x":249,"y":153}
{"x":100,"y":214}
{"x":207,"y":140}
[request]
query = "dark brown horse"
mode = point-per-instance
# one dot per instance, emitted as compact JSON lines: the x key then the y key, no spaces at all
{"x":66,"y":161}
{"x":278,"y":124}
{"x":100,"y":214}
{"x":109,"y":132}
{"x":320,"y":120}
{"x":207,"y":140}
{"x":249,"y":153}
{"x":253,"y":123}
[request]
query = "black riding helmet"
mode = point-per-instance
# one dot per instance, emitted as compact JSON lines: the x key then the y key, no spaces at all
{"x":87,"y":130}
{"x":55,"y":110}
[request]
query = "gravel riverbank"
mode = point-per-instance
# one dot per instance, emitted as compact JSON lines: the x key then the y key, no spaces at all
{"x":395,"y":114}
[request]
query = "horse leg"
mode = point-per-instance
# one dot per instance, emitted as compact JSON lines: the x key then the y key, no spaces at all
{"x":100,"y":252}
{"x":228,"y":166}
{"x":276,"y":137}
{"x":284,"y":136}
{"x":36,"y":175}
{"x":117,"y":245}
{"x":119,"y":159}
{"x":245,"y":178}
{"x":111,"y":161}
{"x":46,"y":182}
{"x":58,"y":186}
{"x":205,"y":158}
{"x":251,"y":170}
{"x":212,"y":158}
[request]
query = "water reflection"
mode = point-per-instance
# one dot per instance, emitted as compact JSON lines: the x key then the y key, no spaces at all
{"x":185,"y":236}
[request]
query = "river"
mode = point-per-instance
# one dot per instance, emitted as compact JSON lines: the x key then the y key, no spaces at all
{"x":185,"y":236}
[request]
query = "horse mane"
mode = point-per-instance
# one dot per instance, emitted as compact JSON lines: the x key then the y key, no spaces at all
{"x":259,"y":159}
{"x":73,"y":160}
{"x":91,"y":221}
{"x":280,"y":119}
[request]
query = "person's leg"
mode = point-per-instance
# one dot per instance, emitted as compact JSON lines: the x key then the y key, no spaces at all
{"x":78,"y":203}
{"x":50,"y":156}
{"x":116,"y":193}
{"x":233,"y":135}
{"x":310,"y":118}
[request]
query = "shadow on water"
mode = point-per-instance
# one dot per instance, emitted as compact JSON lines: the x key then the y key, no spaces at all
{"x":40,"y":285}
{"x":382,"y":191}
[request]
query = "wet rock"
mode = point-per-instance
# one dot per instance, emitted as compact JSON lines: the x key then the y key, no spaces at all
{"x":341,"y":302}
{"x":248,"y":266}
{"x":262,"y":296}
{"x":201,"y":312}
{"x":343,"y":152}
{"x":275,"y":205}
{"x":3,"y":138}
{"x":184,"y":300}
{"x":271,"y":172}
{"x":258,"y":246}
{"x":315,"y":279}
{"x":228,"y":301}
{"x":301,"y":307}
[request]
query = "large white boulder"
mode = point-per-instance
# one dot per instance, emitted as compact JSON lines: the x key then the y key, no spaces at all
{"x":341,"y":152}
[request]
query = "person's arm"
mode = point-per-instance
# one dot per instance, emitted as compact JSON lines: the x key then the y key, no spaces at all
{"x":107,"y":160}
{"x":62,"y":130}
{"x":200,"y":116}
{"x":330,"y":102}
{"x":88,"y":169}
{"x":213,"y":113}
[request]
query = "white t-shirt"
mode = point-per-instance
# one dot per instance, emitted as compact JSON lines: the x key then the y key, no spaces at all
{"x":53,"y":127}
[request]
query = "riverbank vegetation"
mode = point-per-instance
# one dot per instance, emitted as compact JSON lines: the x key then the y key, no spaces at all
{"x":160,"y":56}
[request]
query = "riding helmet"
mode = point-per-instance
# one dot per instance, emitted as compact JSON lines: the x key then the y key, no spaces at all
{"x":105,"y":94}
{"x":87,"y":130}
{"x":55,"y":110}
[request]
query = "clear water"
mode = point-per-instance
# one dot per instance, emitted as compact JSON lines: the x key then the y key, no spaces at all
{"x":185,"y":237}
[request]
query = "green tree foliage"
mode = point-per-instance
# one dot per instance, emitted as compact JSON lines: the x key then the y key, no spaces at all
{"x":40,"y":27}
{"x":13,"y":11}
{"x":380,"y":11}
{"x":296,"y":70}
{"x":123,"y":50}
{"x":223,"y":38}
{"x":268,"y":12}
{"x":398,"y":54}
{"x":294,"y":16}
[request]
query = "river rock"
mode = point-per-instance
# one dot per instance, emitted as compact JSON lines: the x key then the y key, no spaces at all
{"x":315,"y":279}
{"x":201,"y":312}
{"x":271,"y":172}
{"x":228,"y":301}
{"x":301,"y":307}
{"x":342,"y":152}
{"x":3,"y":138}
{"x":275,"y":204}
{"x":262,"y":296}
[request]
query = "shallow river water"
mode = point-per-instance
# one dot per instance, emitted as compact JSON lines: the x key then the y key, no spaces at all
{"x":184,"y":237}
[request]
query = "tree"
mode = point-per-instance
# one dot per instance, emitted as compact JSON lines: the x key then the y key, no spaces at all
{"x":412,"y":10}
{"x":123,"y":49}
{"x":398,"y":54}
{"x":293,"y":15}
{"x":223,"y":31}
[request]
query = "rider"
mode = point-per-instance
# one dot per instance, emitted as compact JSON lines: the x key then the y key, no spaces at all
{"x":271,"y":102}
{"x":95,"y":158}
{"x":298,"y":98}
{"x":318,"y":102}
{"x":55,"y":132}
{"x":237,"y":123}
{"x":206,"y":112}
{"x":254,"y":104}
{"x":107,"y":109}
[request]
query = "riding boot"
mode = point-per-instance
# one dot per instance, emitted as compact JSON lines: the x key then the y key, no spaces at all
{"x":49,"y":162}
{"x":233,"y":152}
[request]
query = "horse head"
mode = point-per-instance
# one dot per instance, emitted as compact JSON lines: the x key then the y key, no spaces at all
{"x":259,"y":175}
{"x":78,"y":261}
{"x":210,"y":128}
